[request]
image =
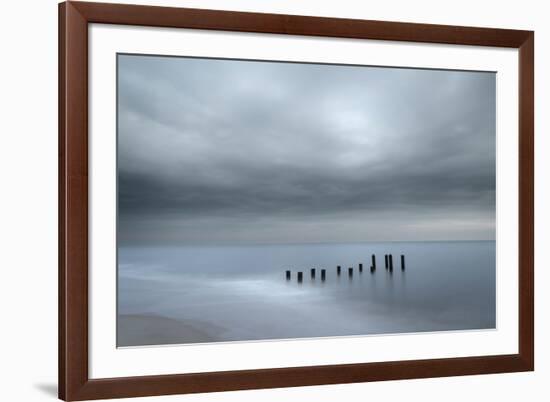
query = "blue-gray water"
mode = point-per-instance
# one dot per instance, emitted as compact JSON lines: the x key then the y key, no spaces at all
{"x":234,"y":293}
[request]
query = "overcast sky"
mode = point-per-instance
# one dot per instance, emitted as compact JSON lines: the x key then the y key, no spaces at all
{"x":223,"y":151}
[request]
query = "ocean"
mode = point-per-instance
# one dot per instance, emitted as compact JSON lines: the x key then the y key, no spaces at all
{"x":197,"y":294}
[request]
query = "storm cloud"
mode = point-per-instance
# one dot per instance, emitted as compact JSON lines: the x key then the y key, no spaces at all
{"x":227,"y":151}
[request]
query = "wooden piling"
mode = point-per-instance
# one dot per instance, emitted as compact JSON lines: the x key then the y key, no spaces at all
{"x":313,"y":273}
{"x":373,"y":261}
{"x":287,"y":275}
{"x":402,"y":262}
{"x":372,"y":269}
{"x":390,"y":259}
{"x":323,"y":274}
{"x":360,"y":267}
{"x":300,"y":277}
{"x":386,"y":260}
{"x":350,"y":271}
{"x":338,"y":269}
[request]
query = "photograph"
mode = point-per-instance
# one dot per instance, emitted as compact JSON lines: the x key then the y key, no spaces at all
{"x":267,"y":200}
{"x":277,"y":200}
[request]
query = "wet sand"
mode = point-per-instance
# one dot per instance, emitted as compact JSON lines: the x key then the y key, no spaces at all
{"x":144,"y":329}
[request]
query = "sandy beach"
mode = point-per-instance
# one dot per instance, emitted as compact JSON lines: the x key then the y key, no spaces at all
{"x":145,"y":329}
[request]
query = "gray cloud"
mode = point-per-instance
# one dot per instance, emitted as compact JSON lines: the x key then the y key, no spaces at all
{"x":243,"y":151}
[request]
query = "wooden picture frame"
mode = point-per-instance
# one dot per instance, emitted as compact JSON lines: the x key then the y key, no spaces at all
{"x":74,"y":381}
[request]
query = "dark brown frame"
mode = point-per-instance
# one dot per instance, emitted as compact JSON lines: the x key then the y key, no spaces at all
{"x":74,"y":383}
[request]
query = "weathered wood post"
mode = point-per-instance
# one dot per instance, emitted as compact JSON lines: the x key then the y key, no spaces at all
{"x":372,"y":269}
{"x":287,"y":275}
{"x":338,"y":269}
{"x":402,"y":262}
{"x":323,"y":274}
{"x":313,"y":273}
{"x":390,"y":258}
{"x":360,"y":267}
{"x":386,"y":259}
{"x":373,"y":257}
{"x":350,"y":271}
{"x":300,"y":277}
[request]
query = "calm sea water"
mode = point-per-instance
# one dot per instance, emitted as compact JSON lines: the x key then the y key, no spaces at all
{"x":235,"y":293}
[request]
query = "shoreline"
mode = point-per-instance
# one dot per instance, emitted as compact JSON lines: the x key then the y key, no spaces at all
{"x":152,"y":329}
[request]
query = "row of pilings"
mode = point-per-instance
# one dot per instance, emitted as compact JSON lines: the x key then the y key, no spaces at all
{"x":388,"y":263}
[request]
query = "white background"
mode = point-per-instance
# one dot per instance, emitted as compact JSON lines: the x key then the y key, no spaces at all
{"x":28,"y":213}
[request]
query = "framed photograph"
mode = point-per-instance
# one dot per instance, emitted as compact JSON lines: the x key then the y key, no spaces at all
{"x":259,"y":200}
